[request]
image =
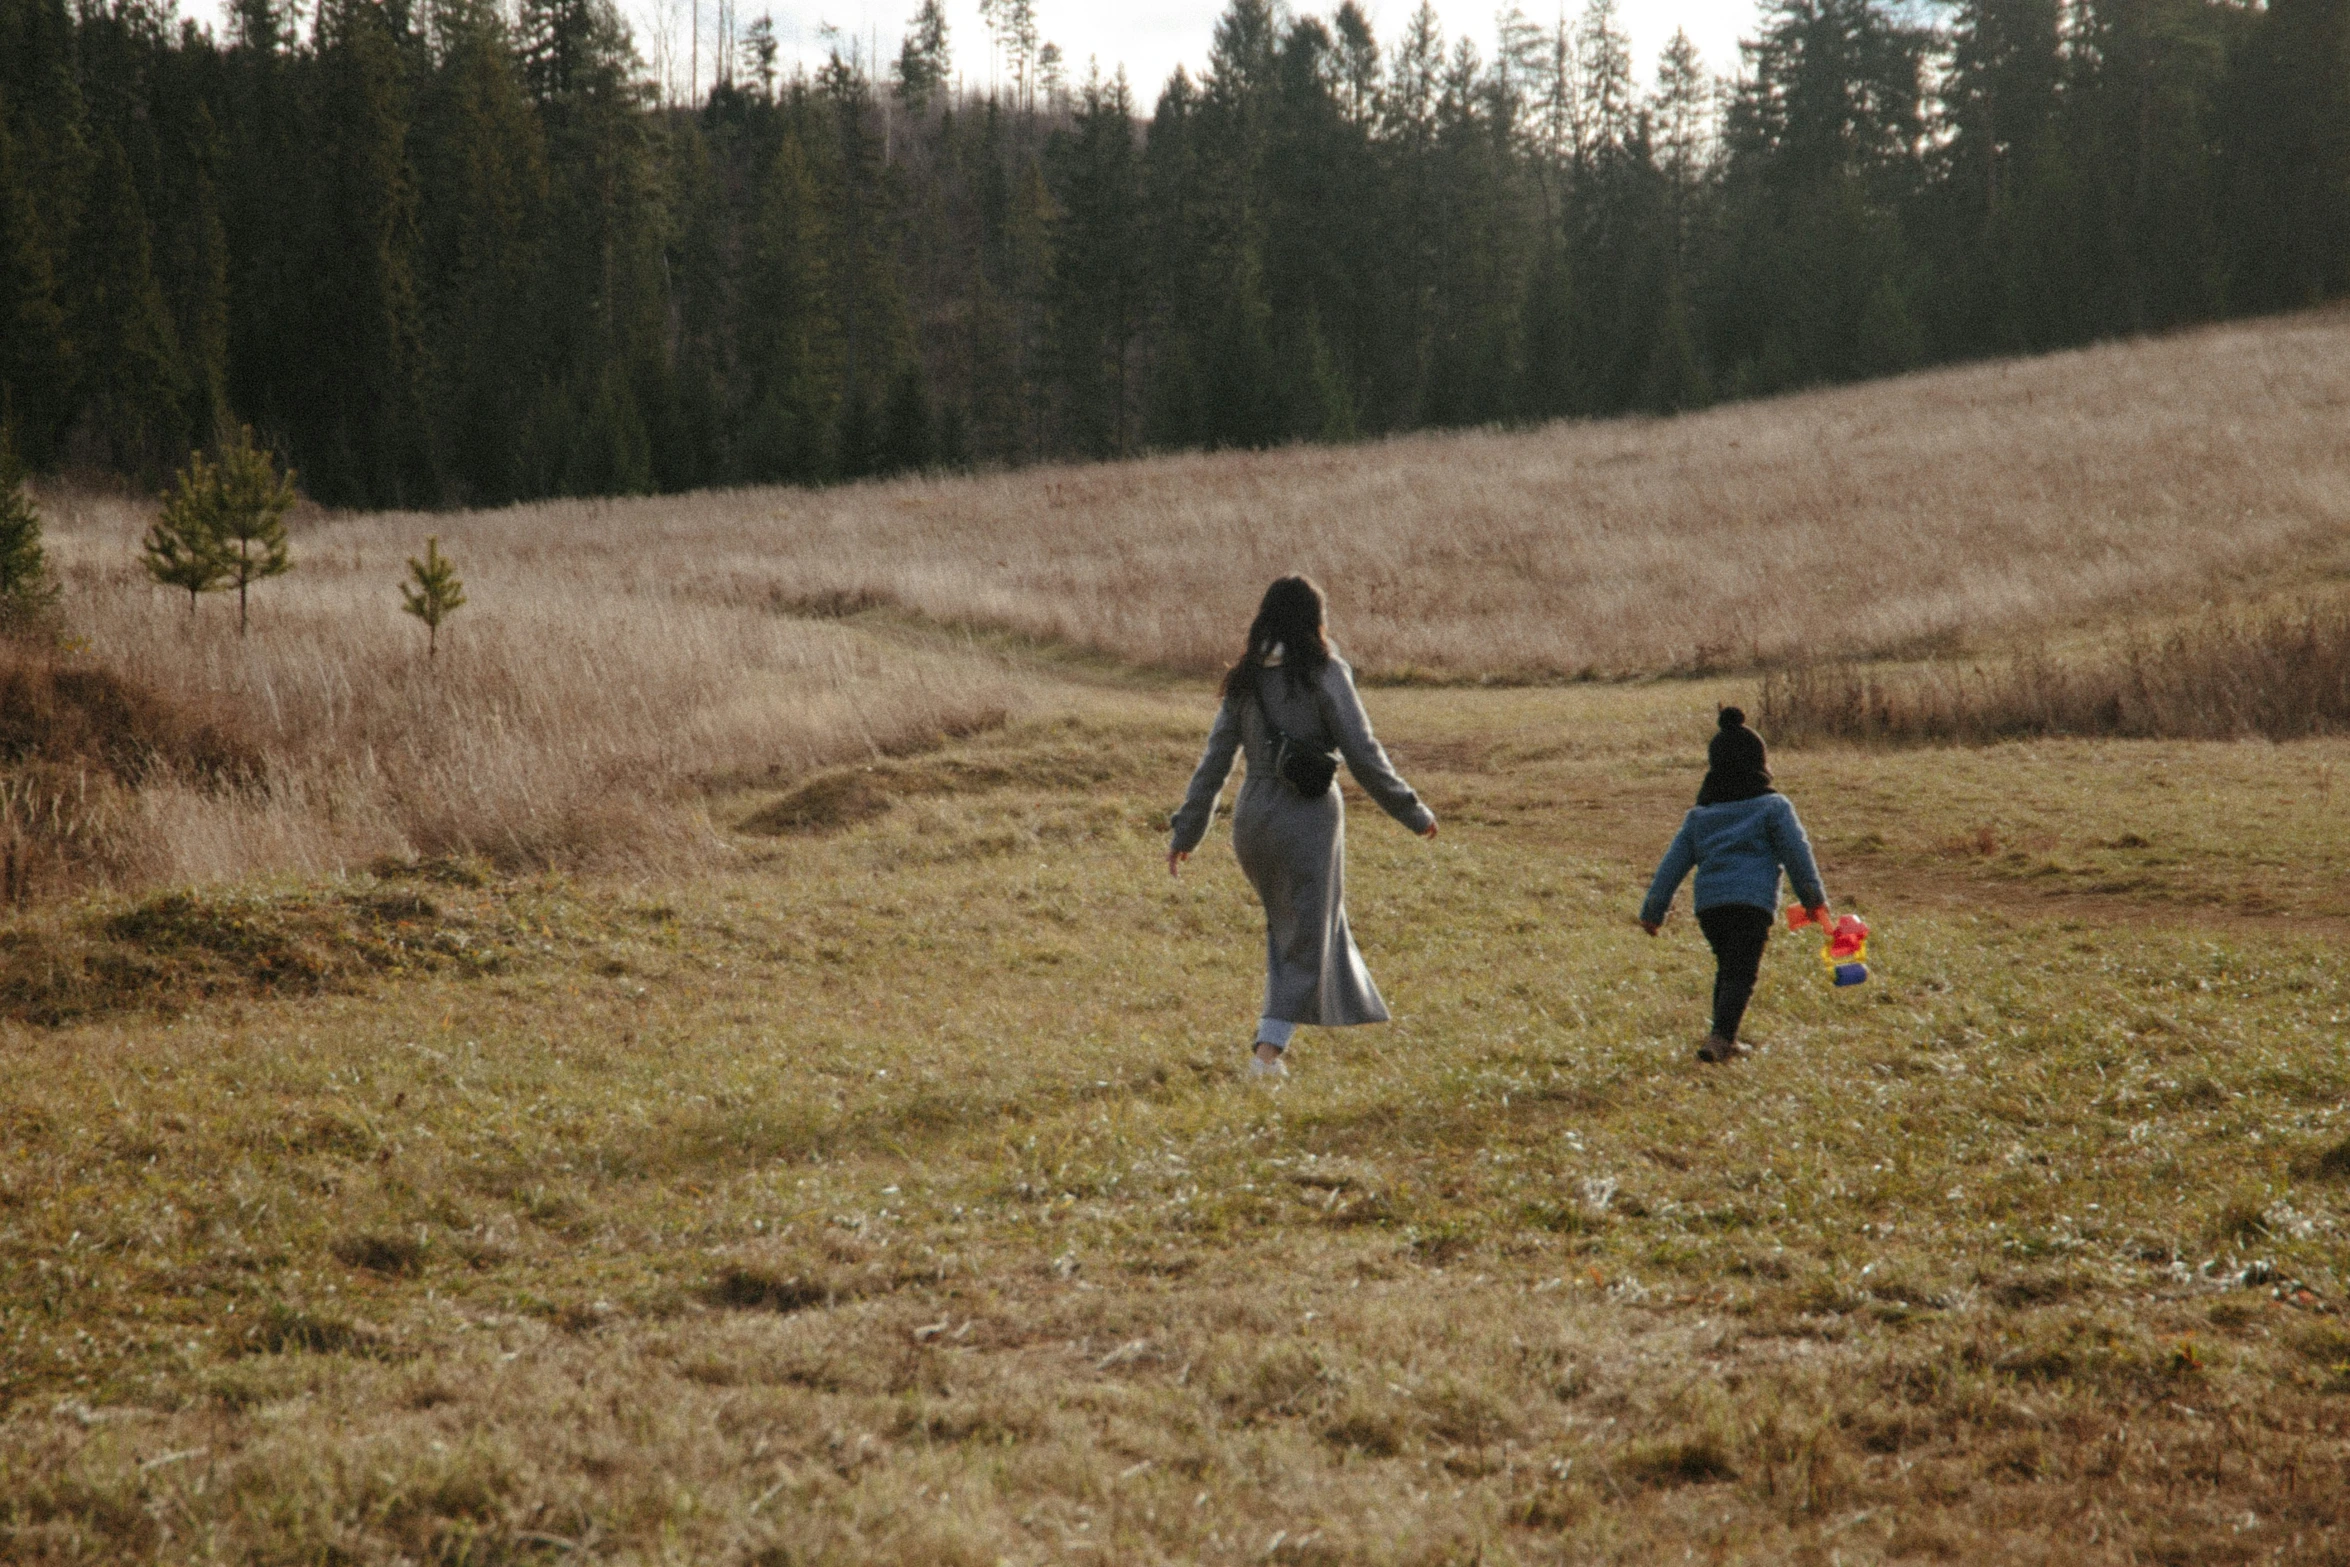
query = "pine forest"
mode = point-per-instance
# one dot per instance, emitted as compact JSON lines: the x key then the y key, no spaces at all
{"x":448,"y":252}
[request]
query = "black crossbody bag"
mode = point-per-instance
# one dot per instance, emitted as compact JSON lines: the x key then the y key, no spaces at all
{"x":1295,"y":763}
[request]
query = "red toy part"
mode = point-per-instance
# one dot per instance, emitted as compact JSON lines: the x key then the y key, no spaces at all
{"x":1849,"y":938}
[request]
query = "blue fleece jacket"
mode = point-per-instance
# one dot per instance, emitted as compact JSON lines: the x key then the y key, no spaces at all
{"x":1737,"y":848}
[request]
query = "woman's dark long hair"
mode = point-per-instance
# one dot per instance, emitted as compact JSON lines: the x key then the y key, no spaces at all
{"x":1289,"y":618}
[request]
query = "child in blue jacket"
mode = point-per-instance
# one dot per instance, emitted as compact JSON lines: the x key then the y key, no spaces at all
{"x":1739,"y":836}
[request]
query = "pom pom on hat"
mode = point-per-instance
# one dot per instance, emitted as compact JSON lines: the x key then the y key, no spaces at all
{"x":1732,"y":717}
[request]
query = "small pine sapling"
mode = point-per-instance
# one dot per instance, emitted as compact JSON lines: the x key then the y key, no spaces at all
{"x":250,"y":532}
{"x":26,"y":588}
{"x":432,"y":593}
{"x":182,"y":548}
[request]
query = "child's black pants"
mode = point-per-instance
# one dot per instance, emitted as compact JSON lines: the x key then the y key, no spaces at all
{"x":1736,"y":932}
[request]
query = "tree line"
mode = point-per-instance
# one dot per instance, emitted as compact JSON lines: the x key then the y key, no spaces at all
{"x":457,"y":252}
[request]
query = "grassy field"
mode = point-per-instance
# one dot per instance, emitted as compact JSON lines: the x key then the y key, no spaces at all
{"x":620,"y":661}
{"x":712,"y":1066}
{"x":891,"y":1193}
{"x":1957,"y":507}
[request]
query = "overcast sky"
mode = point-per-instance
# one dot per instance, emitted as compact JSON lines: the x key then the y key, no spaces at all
{"x":1151,"y":37}
{"x":1148,"y":37}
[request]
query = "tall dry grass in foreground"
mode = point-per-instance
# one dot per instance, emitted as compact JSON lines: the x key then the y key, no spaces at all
{"x":2280,"y":676}
{"x":1973,"y":502}
{"x":578,"y":708}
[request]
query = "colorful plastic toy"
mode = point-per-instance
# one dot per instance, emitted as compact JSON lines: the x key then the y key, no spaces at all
{"x":1847,"y":944}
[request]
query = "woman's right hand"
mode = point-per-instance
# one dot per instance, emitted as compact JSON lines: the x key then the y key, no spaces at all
{"x":1428,"y":831}
{"x":1175,"y":859}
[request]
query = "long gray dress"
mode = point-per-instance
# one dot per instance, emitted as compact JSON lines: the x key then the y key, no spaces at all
{"x":1292,"y":849}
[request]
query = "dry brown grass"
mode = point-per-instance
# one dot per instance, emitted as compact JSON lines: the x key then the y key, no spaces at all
{"x":76,"y":744}
{"x":1960,"y":504}
{"x":620,"y":660}
{"x":892,"y":1196}
{"x":581,"y":708}
{"x":2227,"y":676}
{"x":895,"y":1198}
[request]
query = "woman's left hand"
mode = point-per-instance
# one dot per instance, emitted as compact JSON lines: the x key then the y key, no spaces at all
{"x":1175,"y":859}
{"x":1429,"y":831}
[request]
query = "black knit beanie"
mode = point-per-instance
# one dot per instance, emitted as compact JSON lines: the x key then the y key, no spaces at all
{"x":1737,"y":765}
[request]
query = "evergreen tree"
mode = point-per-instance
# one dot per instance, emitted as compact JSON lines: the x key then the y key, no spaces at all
{"x":196,"y":273}
{"x":1550,"y":385}
{"x":1326,"y":279}
{"x":1242,"y":396}
{"x":2000,"y":100}
{"x":1359,"y":67}
{"x":1417,"y":219}
{"x":867,"y":306}
{"x":1682,"y":114}
{"x":482,"y":184}
{"x":908,"y":442}
{"x":924,"y":62}
{"x":1097,"y":257}
{"x":2285,"y":156}
{"x":247,"y":499}
{"x":1606,"y":103}
{"x":362,"y":416}
{"x":603,"y":302}
{"x":439,"y":255}
{"x":182,"y":547}
{"x":1237,"y":370}
{"x":432,"y":593}
{"x":1174,"y":226}
{"x":1675,"y":380}
{"x":1824,"y":135}
{"x":2143,"y":113}
{"x":787,"y":336}
{"x":223,"y":525}
{"x":759,"y":51}
{"x":46,"y":119}
{"x":269,"y":206}
{"x":132,"y":379}
{"x":1999,"y":95}
{"x":26,"y":588}
{"x":36,"y":363}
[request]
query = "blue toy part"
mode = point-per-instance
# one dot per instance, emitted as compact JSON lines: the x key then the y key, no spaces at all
{"x":1851,"y":974}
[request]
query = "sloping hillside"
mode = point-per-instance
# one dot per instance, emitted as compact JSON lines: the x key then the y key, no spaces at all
{"x":618,"y":660}
{"x":1963,"y":503}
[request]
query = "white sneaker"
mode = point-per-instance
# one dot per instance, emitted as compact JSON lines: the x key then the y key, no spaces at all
{"x":1258,"y":1066}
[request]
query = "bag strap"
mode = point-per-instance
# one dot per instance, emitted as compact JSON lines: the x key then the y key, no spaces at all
{"x":1278,"y":735}
{"x":1282,"y":736}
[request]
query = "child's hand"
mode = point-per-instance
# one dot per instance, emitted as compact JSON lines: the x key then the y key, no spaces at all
{"x":1651,"y":926}
{"x":1819,"y":916}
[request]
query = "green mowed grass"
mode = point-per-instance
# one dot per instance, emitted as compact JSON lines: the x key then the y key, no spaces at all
{"x":895,"y":1195}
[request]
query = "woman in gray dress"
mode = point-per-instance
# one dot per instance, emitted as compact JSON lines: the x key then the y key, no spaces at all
{"x":1292,"y":846}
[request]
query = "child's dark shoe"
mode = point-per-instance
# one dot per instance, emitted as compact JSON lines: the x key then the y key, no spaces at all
{"x":1716,"y":1048}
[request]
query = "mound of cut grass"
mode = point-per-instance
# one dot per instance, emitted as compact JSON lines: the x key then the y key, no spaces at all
{"x":1057,"y":758}
{"x":172,"y":950}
